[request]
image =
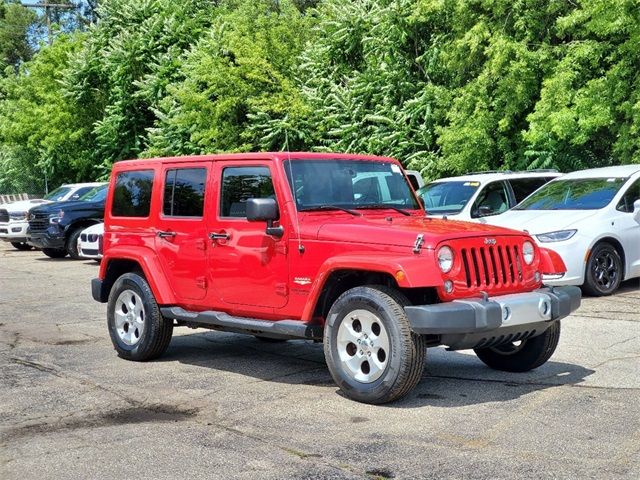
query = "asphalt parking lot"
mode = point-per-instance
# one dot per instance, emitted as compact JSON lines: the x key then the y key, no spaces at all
{"x":221,"y":405}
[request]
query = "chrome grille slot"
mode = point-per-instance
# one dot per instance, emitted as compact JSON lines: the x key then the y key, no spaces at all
{"x":493,"y":265}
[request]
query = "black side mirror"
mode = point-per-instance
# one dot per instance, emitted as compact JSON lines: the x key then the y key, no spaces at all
{"x":265,"y":209}
{"x":483,"y":211}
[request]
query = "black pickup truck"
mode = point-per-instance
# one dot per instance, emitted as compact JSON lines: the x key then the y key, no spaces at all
{"x":55,"y":227}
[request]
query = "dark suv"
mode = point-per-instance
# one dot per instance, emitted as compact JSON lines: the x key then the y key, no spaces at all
{"x":55,"y":227}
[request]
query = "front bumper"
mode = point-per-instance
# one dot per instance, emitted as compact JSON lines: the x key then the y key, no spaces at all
{"x":53,"y":237}
{"x":14,"y":231}
{"x":464,"y":323}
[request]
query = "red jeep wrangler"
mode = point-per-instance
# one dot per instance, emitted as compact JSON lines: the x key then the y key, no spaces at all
{"x":326,"y":247}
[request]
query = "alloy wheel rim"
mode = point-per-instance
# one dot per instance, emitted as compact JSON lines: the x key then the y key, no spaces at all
{"x":363,"y":346}
{"x":605,"y":271}
{"x":129,"y":317}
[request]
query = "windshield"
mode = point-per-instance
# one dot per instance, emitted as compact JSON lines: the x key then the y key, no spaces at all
{"x":573,"y":194}
{"x":447,"y":197}
{"x":58,"y":194}
{"x":96,"y":194}
{"x":351,"y":184}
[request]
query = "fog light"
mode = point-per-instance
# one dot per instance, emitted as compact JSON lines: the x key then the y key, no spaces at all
{"x":506,"y":313}
{"x":537,"y":276}
{"x":448,"y":286}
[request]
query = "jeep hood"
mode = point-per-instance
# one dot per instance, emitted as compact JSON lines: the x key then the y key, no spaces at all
{"x":542,"y":221}
{"x":400,"y":231}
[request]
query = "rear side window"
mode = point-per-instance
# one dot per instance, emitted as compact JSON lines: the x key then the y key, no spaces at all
{"x":523,"y":187}
{"x":132,"y":194}
{"x":240,"y":184}
{"x":184,"y":192}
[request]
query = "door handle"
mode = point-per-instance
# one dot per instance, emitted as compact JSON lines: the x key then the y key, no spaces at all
{"x":166,"y":234}
{"x":219,"y":236}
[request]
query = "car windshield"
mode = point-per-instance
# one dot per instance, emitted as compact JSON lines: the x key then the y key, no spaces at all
{"x":96,"y":194}
{"x":349,"y":184}
{"x":58,"y":194}
{"x":447,"y":198}
{"x":573,"y":194}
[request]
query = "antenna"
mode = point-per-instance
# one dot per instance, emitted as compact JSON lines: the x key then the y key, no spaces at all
{"x":293,"y":190}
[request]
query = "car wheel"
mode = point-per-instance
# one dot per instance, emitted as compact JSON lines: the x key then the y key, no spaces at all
{"x":137,"y":329}
{"x":604,"y":270}
{"x":524,"y":355}
{"x":21,"y":246}
{"x":72,"y":243}
{"x":54,"y":252}
{"x":370,"y":350}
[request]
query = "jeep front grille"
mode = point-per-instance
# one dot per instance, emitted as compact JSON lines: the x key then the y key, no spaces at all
{"x":492,"y":265}
{"x":4,"y":216}
{"x":38,"y":222}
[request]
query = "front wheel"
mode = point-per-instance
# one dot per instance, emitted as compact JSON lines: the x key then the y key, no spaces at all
{"x":370,"y":350}
{"x":604,"y":270}
{"x":21,"y":246}
{"x":524,"y":355}
{"x":137,"y":328}
{"x":72,"y":244}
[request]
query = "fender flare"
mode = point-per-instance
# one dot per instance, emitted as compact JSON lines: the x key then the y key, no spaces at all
{"x":150,"y":265}
{"x":408,"y":272}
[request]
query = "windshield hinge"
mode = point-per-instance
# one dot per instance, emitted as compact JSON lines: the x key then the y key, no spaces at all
{"x":417,"y":246}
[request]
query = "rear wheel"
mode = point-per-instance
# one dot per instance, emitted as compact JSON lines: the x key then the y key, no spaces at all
{"x":21,"y":245}
{"x":137,"y":328}
{"x":371,"y":352}
{"x":522,"y":356}
{"x":604,"y":270}
{"x":54,"y":252}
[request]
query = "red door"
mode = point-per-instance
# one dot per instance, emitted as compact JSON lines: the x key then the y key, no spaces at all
{"x":181,"y":239}
{"x":248,"y":267}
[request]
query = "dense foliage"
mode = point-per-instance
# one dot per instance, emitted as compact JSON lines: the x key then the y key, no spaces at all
{"x":445,"y":86}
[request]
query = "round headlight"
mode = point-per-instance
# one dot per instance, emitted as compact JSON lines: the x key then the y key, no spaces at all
{"x":445,"y":259}
{"x":528,"y":252}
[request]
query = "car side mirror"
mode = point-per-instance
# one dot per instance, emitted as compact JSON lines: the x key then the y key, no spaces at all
{"x":265,"y":209}
{"x":636,"y":211}
{"x":483,"y":211}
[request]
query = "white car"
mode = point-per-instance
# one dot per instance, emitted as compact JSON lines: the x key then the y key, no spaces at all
{"x":592,"y":219}
{"x":13,"y":216}
{"x":90,"y":242}
{"x":476,"y":196}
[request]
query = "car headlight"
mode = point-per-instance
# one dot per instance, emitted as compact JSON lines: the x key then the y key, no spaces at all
{"x":18,"y":215}
{"x":557,"y":236}
{"x":445,"y":259}
{"x":528,"y":252}
{"x":56,"y":217}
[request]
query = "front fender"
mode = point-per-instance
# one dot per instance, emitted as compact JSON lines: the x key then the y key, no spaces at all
{"x":150,"y":265}
{"x":551,"y":262}
{"x":411,"y":271}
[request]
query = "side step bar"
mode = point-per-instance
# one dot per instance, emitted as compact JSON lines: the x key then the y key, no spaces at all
{"x":252,"y":326}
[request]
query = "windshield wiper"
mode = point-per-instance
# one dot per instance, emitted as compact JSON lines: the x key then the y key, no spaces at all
{"x":382,"y":206}
{"x":331,"y":207}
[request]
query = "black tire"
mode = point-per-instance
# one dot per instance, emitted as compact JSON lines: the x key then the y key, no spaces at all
{"x":21,"y":246}
{"x":54,"y":252}
{"x":270,"y":340}
{"x":405,"y":360}
{"x":528,"y":355}
{"x":157,"y":330}
{"x":72,"y":243}
{"x":604,"y":270}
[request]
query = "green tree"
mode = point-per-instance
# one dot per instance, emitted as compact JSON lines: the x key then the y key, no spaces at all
{"x":15,"y":21}
{"x":241,"y":70}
